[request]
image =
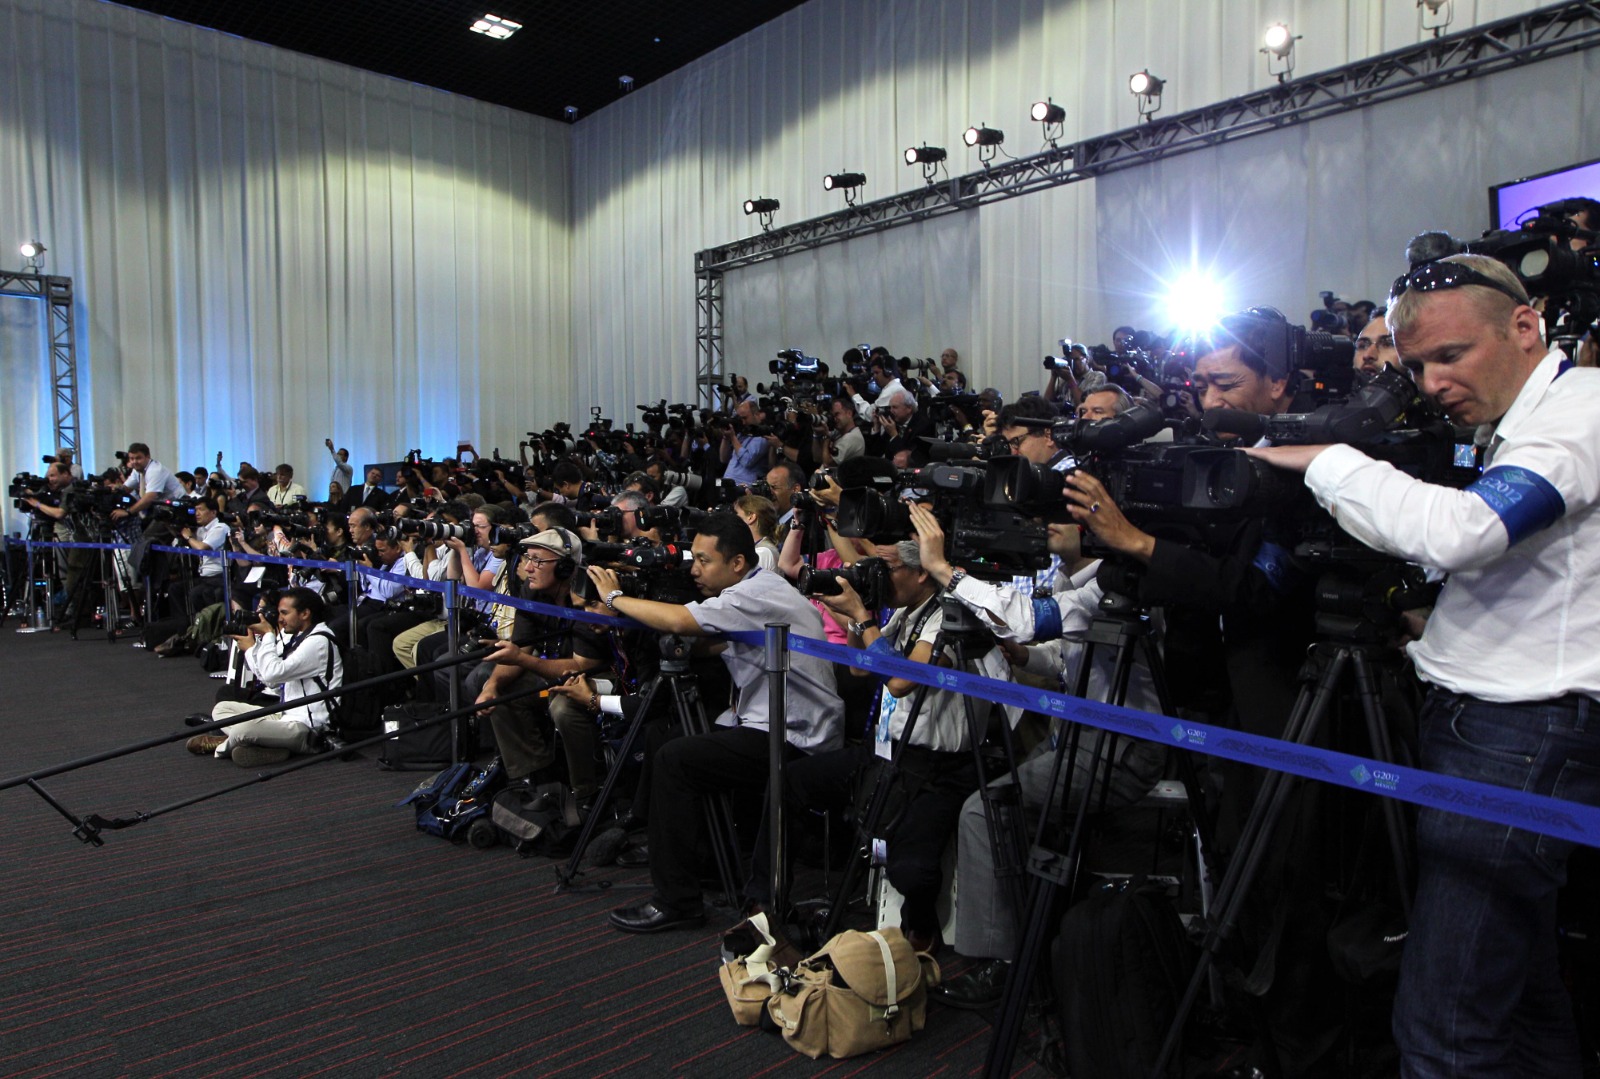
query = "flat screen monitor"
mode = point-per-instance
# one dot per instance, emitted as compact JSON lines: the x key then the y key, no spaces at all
{"x":1509,"y":201}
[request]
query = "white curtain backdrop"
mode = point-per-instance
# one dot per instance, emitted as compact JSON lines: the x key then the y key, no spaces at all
{"x":841,"y":85}
{"x":270,"y":249}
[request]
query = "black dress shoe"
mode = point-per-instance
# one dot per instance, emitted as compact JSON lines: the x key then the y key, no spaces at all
{"x":649,"y":917}
{"x":634,"y":857}
{"x":983,"y":987}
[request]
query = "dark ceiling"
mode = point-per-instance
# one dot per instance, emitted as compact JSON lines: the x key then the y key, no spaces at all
{"x":568,"y":53}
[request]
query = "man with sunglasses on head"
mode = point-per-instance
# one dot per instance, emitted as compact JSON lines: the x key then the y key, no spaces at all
{"x":1480,"y":993}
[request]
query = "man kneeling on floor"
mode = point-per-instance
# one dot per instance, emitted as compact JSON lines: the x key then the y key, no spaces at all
{"x":300,"y":658}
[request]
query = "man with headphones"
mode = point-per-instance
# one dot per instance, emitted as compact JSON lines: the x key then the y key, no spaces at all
{"x":545,"y":648}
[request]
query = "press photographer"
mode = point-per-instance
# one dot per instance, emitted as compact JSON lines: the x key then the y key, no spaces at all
{"x":934,"y":772}
{"x":733,"y":757}
{"x":1480,"y":992}
{"x":294,"y":652}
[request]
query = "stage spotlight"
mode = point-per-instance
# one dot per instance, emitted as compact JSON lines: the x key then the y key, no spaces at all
{"x":1194,"y":303}
{"x":983,"y":136}
{"x":1278,"y":46}
{"x":1147,"y":88}
{"x":32,"y":249}
{"x":760,"y":206}
{"x":570,"y":112}
{"x":843,"y":181}
{"x":1048,"y":112}
{"x":625,"y":83}
{"x":1442,"y":12}
{"x":924,"y":155}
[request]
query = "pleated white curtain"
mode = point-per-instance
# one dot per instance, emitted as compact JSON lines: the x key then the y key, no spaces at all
{"x":841,"y":85}
{"x":270,"y":249}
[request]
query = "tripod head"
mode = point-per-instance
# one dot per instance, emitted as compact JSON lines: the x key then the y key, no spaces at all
{"x":961,"y":628}
{"x":1119,"y":577}
{"x":675,"y":653}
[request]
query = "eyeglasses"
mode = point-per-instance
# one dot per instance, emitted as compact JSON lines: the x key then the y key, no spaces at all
{"x":1367,"y":344}
{"x":1016,"y":443}
{"x":1434,"y":276}
{"x":537,"y":561}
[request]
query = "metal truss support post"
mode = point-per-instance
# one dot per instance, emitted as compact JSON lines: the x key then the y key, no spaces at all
{"x":1556,"y":30}
{"x":56,"y":292}
{"x":708,"y":334}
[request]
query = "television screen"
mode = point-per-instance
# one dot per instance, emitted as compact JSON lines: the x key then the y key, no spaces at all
{"x":1509,"y":201}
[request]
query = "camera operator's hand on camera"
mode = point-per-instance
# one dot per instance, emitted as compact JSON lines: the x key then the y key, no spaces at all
{"x":930,"y":542}
{"x":458,"y":545}
{"x":829,"y":495}
{"x":1092,"y":507}
{"x":605,"y":580}
{"x":991,"y":422}
{"x":847,"y":604}
{"x":1291,"y":458}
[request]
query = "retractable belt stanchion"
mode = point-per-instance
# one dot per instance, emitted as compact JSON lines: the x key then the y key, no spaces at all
{"x":452,"y":642}
{"x":777,"y":666}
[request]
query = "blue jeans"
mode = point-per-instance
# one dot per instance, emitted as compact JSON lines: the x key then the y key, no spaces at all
{"x":1479,"y":992}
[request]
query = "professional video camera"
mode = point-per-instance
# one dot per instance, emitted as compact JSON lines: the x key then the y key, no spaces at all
{"x":793,"y":364}
{"x":659,"y":572}
{"x":869,"y":577}
{"x":983,"y":531}
{"x":179,"y":511}
{"x":87,"y":499}
{"x":1539,"y":251}
{"x":553,"y":442}
{"x":26,"y":485}
{"x":674,"y":520}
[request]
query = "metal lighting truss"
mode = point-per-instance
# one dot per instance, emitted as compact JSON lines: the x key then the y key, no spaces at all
{"x":56,"y":292}
{"x":1522,"y":39}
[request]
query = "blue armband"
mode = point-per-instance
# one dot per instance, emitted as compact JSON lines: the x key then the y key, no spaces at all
{"x":1524,"y":501}
{"x":1046,"y":619}
{"x":884,"y":647}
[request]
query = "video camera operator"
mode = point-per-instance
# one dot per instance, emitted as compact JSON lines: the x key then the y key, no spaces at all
{"x":1480,"y":993}
{"x":210,"y":535}
{"x":298,"y":655}
{"x":740,"y":597}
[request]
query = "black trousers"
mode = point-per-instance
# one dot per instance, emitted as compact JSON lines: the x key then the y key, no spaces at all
{"x":684,"y":771}
{"x":920,"y":820}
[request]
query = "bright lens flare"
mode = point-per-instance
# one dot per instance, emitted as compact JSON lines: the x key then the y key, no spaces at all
{"x":1195,"y":302}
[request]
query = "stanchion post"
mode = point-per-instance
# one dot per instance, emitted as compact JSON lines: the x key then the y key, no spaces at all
{"x":351,"y":592}
{"x":777,"y":666}
{"x":452,"y":641}
{"x":227,"y":584}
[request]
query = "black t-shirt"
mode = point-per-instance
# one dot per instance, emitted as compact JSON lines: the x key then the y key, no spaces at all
{"x":550,"y":637}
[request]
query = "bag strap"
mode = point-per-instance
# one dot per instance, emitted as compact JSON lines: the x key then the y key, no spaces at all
{"x":892,"y":990}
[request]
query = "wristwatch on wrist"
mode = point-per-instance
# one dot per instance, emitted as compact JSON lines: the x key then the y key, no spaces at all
{"x":956,"y":578}
{"x":610,"y":597}
{"x":859,"y":629}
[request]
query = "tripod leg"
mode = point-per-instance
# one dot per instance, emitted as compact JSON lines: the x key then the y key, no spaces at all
{"x":567,"y":875}
{"x":1242,"y":869}
{"x":718,"y":812}
{"x":1383,"y":748}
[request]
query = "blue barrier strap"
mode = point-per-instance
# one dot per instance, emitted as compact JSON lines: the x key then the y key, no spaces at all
{"x":1484,"y":801}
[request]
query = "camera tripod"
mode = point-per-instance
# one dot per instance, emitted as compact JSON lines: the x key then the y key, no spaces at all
{"x":969,"y":640}
{"x":677,"y":679}
{"x":1125,"y":628}
{"x":29,"y":608}
{"x":103,"y":568}
{"x":1351,"y":645}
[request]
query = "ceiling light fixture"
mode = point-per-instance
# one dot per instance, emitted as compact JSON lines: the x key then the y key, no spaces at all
{"x":496,"y":27}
